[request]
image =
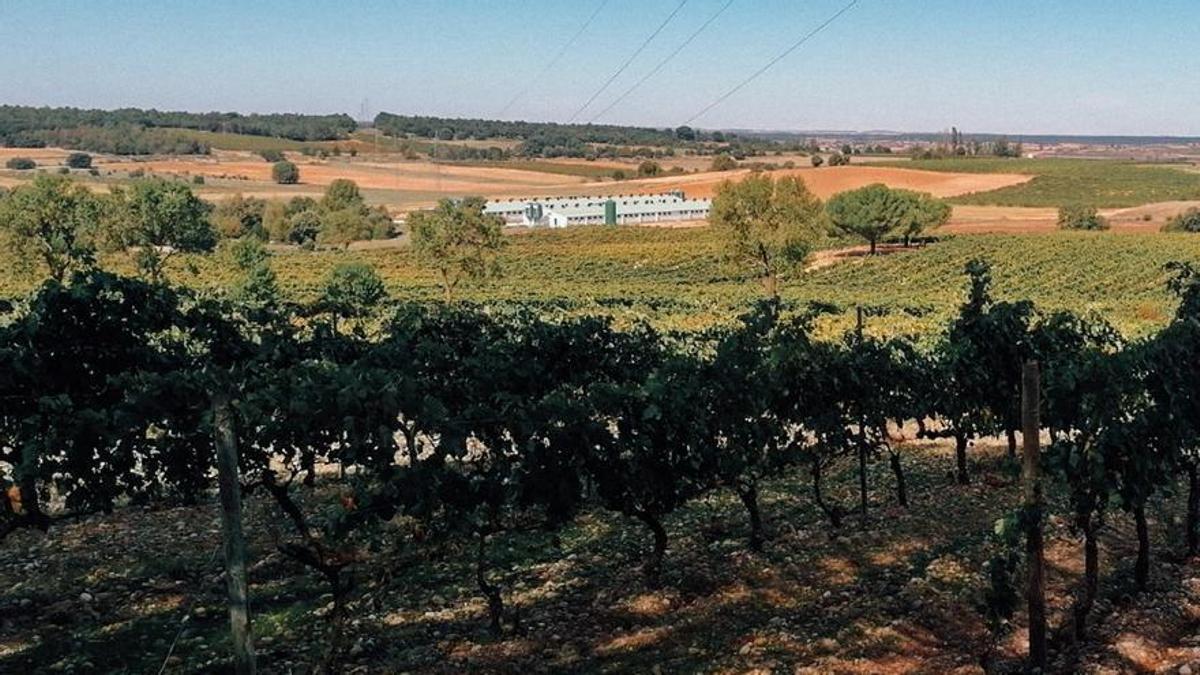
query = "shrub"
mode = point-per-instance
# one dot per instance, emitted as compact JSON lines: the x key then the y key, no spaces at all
{"x":63,"y":170}
{"x":723,"y":162}
{"x":649,"y":168}
{"x":21,"y":164}
{"x":303,"y":227}
{"x":1080,"y":217}
{"x":79,"y":160}
{"x":618,"y":175}
{"x":271,"y":156}
{"x":1188,"y":221}
{"x":198,"y":180}
{"x":817,"y":160}
{"x":240,"y":216}
{"x":285,"y":173}
{"x":838,"y":159}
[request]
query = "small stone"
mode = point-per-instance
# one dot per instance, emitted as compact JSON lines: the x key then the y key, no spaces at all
{"x":828,"y":644}
{"x":1185,"y":669}
{"x":86,"y":597}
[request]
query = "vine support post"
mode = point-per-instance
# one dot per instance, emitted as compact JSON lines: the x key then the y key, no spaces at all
{"x":1032,"y":484}
{"x":235,"y":541}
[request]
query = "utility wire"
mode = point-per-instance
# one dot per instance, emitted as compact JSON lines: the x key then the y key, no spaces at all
{"x":664,"y":62}
{"x":628,"y":61}
{"x":773,"y":61}
{"x":554,"y":61}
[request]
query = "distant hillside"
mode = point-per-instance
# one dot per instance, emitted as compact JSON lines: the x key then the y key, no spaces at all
{"x":448,"y":128}
{"x":134,"y":131}
{"x":937,"y":137}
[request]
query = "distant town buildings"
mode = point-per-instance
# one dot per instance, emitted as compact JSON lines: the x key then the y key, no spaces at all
{"x":594,"y":210}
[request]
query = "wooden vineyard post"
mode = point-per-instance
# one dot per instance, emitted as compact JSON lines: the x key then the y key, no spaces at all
{"x":235,"y":542}
{"x":1031,"y":481}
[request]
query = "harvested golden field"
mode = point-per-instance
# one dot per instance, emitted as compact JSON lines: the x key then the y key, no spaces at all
{"x":415,"y":184}
{"x":369,"y":174}
{"x":39,"y":155}
{"x":829,"y":181}
{"x":970,"y":219}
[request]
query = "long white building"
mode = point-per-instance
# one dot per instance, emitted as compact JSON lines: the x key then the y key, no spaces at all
{"x":611,"y":210}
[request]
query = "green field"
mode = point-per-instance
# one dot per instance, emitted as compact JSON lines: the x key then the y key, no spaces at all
{"x":675,"y":277}
{"x":243,"y":142}
{"x":1101,"y":183}
{"x":541,"y":166}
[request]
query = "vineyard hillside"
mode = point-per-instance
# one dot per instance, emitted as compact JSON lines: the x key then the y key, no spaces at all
{"x":677,"y":277}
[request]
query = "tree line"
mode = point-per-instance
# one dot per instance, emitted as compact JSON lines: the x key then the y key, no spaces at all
{"x":470,"y":421}
{"x":58,"y":225}
{"x":589,"y":141}
{"x":28,"y":126}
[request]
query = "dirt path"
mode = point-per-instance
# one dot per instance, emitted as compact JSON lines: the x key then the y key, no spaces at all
{"x":833,"y":256}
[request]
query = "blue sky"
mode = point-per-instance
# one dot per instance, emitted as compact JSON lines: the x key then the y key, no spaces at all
{"x":1022,"y":66}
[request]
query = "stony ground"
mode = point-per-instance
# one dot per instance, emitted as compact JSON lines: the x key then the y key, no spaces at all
{"x":141,"y":590}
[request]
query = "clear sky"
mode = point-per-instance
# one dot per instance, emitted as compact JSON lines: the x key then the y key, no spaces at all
{"x":1012,"y":66}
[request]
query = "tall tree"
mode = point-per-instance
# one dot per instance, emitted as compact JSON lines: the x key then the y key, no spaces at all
{"x":240,"y":216}
{"x":927,"y":213}
{"x":160,"y":217}
{"x":342,"y":193}
{"x":874,"y":211}
{"x":352,"y":291}
{"x":458,"y":240}
{"x":52,"y":220}
{"x":769,"y":225}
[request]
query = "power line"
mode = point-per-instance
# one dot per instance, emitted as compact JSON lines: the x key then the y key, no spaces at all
{"x":554,"y":61}
{"x":628,"y":61}
{"x":664,"y":62}
{"x":773,"y":61}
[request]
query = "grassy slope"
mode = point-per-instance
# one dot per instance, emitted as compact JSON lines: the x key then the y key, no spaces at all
{"x":676,"y":277}
{"x":1102,"y":183}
